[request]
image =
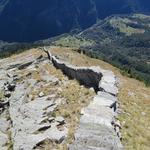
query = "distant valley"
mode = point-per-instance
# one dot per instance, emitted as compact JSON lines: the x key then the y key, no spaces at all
{"x":28,"y":21}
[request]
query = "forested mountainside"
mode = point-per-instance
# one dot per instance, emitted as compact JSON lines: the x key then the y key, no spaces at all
{"x":123,"y":41}
{"x":26,"y":20}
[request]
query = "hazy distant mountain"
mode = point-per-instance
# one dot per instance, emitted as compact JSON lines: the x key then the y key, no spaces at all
{"x":30,"y":20}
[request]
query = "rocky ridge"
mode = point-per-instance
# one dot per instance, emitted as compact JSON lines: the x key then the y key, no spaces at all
{"x":98,"y":128}
{"x":28,"y":109}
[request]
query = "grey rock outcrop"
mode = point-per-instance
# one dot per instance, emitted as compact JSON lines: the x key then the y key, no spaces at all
{"x":97,"y":126}
{"x":26,"y":122}
{"x":30,"y":125}
{"x":3,"y":139}
{"x":95,"y":130}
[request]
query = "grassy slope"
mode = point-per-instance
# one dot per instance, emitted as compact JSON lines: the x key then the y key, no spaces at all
{"x":134,"y":99}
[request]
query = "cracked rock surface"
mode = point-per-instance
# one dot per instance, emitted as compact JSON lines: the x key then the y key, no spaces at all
{"x":30,"y":98}
{"x":25,"y":121}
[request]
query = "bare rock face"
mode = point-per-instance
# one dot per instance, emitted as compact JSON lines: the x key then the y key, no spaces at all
{"x":108,"y":82}
{"x":95,"y":130}
{"x":95,"y":77}
{"x":4,"y":125}
{"x":26,"y":120}
{"x":89,"y":77}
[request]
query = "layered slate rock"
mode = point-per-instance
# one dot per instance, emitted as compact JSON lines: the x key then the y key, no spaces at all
{"x":28,"y":118}
{"x":108,"y":83}
{"x":96,"y":130}
{"x":26,"y":123}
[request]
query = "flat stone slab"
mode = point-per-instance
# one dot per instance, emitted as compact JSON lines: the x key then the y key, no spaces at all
{"x":101,"y":112}
{"x":103,"y":101}
{"x":107,"y":96}
{"x":108,"y":82}
{"x":95,"y":131}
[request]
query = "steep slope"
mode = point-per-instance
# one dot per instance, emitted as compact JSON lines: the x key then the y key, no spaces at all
{"x":3,"y":3}
{"x":33,"y":20}
{"x":123,"y":41}
{"x":109,"y":7}
{"x":98,"y":127}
